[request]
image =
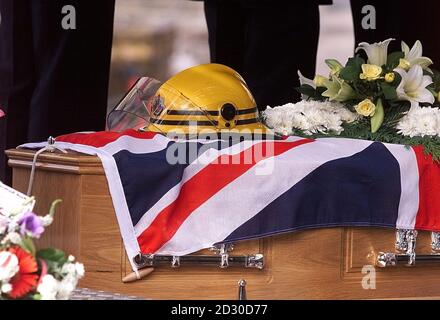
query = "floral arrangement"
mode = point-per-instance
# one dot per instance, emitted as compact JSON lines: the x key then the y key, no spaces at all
{"x":381,"y":96}
{"x":25,"y":272}
{"x":311,"y":117}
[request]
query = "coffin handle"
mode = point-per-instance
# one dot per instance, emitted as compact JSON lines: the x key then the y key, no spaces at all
{"x":242,"y":290}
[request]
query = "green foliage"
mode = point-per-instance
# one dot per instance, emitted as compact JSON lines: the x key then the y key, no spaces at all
{"x":54,"y":259}
{"x":365,"y":89}
{"x":386,"y":134}
{"x":28,"y":245}
{"x":312,"y":93}
{"x":307,"y":90}
{"x":397,"y":80}
{"x":54,"y":206}
{"x":51,"y":254}
{"x":389,"y":110}
{"x":389,"y":92}
{"x":435,"y":86}
{"x":353,"y":69}
{"x":378,"y":118}
{"x":395,"y":113}
{"x":393,"y":60}
{"x":436,"y":80}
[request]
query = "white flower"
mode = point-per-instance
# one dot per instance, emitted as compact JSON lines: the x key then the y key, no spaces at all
{"x":46,"y":220}
{"x":285,"y":127}
{"x":413,"y":86}
{"x":377,"y":52}
{"x":79,"y":268}
{"x":335,"y":67}
{"x":71,"y":258}
{"x":4,"y":222}
{"x":308,"y":116}
{"x":415,"y":55}
{"x":6,"y":288}
{"x":421,"y":122}
{"x":65,"y":288}
{"x":8,"y":265}
{"x":273,"y":117}
{"x":303,"y":80}
{"x":346,"y":115}
{"x":68,"y":269}
{"x":320,"y":80}
{"x":75,"y":270}
{"x":13,"y":225}
{"x":48,"y":288}
{"x":339,"y":90}
{"x":12,"y":237}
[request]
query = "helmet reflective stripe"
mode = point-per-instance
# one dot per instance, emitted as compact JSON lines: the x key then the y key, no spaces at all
{"x":183,"y":122}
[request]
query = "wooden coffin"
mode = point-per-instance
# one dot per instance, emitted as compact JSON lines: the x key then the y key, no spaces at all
{"x":315,"y":264}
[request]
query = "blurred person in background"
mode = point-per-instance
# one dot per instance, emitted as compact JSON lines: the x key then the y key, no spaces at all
{"x":52,"y":80}
{"x":267,"y":42}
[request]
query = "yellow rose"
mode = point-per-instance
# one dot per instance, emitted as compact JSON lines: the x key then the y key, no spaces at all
{"x":320,"y":81}
{"x":389,"y":77}
{"x":366,"y":108}
{"x":404,"y":64}
{"x":371,"y":72}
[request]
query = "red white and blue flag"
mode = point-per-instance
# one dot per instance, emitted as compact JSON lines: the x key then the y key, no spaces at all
{"x":164,"y":207}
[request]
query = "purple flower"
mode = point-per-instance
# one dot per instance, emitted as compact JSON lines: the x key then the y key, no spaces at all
{"x":31,"y":223}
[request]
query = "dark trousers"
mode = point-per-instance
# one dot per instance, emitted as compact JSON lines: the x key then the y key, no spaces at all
{"x":52,"y":81}
{"x":266,"y":43}
{"x":403,"y":20}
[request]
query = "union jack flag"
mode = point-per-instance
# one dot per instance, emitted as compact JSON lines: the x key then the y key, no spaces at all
{"x":223,"y":195}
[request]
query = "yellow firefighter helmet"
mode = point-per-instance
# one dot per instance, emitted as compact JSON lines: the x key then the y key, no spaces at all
{"x":208,"y":97}
{"x":202,"y":99}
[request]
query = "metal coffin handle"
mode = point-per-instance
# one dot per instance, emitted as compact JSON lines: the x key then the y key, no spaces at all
{"x":406,"y":250}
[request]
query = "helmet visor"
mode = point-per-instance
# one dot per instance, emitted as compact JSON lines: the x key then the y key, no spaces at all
{"x":134,"y":110}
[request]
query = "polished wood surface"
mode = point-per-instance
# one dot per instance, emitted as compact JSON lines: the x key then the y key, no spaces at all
{"x":72,"y":162}
{"x":314,"y":264}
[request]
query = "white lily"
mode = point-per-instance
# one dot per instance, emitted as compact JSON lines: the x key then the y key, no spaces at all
{"x":339,"y":90}
{"x":377,"y":52}
{"x":335,"y":66}
{"x":304,"y":80}
{"x":413,"y":86}
{"x":415,"y":55}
